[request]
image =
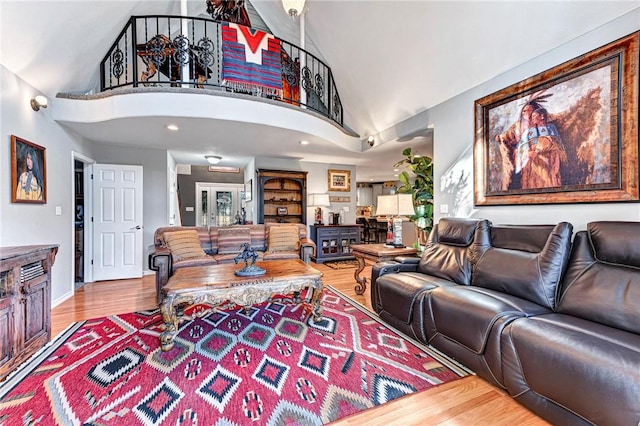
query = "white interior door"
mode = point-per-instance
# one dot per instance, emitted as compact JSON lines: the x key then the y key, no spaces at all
{"x":217,"y":204}
{"x":117,"y":222}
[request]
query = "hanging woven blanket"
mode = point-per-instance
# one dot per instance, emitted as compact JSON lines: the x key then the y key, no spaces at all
{"x":251,"y":60}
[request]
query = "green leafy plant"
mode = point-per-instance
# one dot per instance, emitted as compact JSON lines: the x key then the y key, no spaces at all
{"x":418,"y":183}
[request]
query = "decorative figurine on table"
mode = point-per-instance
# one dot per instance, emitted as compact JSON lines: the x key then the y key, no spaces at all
{"x":249,"y":256}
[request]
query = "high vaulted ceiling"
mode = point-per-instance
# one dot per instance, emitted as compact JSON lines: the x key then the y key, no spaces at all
{"x":390,"y":59}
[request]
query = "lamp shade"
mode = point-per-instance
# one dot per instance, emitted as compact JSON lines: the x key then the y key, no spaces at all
{"x":405,"y":205}
{"x":387,"y":205}
{"x":293,"y":7}
{"x":395,"y":205}
{"x":319,"y":200}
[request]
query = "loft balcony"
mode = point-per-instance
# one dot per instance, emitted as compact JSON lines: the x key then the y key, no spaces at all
{"x":199,"y":53}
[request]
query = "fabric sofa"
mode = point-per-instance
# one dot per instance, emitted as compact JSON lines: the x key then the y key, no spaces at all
{"x":554,"y":322}
{"x":191,"y":246}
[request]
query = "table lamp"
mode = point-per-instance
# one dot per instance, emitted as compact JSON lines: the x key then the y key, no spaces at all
{"x":395,"y":207}
{"x":318,"y":201}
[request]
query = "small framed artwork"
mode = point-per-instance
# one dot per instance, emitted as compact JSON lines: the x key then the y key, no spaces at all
{"x":339,"y":180}
{"x":247,"y":190}
{"x":28,"y":172}
{"x":566,"y":135}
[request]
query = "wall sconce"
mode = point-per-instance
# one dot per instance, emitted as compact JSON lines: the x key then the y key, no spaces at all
{"x":371,"y":140}
{"x":39,"y":102}
{"x":213,"y":159}
{"x":293,"y":7}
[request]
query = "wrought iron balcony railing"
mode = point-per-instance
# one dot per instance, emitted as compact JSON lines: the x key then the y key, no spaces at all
{"x":162,"y":50}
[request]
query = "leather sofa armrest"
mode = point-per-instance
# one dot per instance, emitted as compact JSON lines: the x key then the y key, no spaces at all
{"x":408,"y":263}
{"x":160,"y":261}
{"x":379,"y":269}
{"x":382,"y":268}
{"x":398,"y":264}
{"x":307,"y":249}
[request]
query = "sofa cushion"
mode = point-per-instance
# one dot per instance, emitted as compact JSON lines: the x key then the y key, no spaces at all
{"x":589,"y":369}
{"x":531,"y":276}
{"x":616,"y":242}
{"x":397,"y":293}
{"x":468,"y":315}
{"x":184,"y":245}
{"x":446,"y":252}
{"x":283,"y":238}
{"x":231,"y":239}
{"x":203,"y":235}
{"x":195,"y":261}
{"x":230,"y":258}
{"x":604,"y":291}
{"x":456,"y":232}
{"x":529,"y":238}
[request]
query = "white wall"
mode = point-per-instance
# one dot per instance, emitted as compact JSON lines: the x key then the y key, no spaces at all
{"x":27,"y":224}
{"x":453,"y":123}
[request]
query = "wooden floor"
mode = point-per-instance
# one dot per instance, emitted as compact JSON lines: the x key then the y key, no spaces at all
{"x":469,"y":401}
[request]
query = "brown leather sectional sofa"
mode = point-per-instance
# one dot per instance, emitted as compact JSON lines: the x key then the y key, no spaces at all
{"x":554,"y":321}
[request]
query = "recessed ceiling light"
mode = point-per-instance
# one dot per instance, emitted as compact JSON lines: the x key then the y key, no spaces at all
{"x":303,"y":142}
{"x":396,"y":170}
{"x":371,"y":180}
{"x":395,"y":175}
{"x":172,"y":127}
{"x":417,"y":156}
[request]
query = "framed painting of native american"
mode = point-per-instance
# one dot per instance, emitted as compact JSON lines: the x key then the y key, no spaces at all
{"x":28,"y":172}
{"x":566,"y":135}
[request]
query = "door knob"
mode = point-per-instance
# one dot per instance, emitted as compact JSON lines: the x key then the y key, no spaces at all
{"x":136,"y":227}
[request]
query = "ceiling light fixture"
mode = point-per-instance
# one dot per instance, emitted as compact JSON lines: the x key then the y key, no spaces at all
{"x":293,"y":7}
{"x":39,"y":102}
{"x":303,"y":142}
{"x":213,"y":159}
{"x":172,"y":127}
{"x":371,"y":140}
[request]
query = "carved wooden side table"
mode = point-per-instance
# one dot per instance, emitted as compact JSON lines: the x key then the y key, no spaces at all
{"x":376,"y":253}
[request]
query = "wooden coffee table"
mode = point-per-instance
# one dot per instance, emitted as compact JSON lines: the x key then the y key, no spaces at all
{"x":217,"y":284}
{"x":376,"y":253}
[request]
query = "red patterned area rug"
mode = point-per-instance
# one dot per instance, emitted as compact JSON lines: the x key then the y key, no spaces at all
{"x":272,"y":366}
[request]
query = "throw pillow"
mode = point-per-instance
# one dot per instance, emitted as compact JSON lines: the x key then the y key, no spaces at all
{"x":184,"y":244}
{"x":283,"y":238}
{"x":230,"y":239}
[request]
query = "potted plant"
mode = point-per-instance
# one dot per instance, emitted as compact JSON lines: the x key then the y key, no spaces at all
{"x":420,"y":185}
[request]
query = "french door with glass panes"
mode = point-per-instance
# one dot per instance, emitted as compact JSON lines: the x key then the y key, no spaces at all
{"x":218,"y":204}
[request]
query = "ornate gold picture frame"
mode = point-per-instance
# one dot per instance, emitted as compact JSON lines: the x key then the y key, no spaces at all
{"x":339,"y":180}
{"x":567,"y":135}
{"x":28,"y":172}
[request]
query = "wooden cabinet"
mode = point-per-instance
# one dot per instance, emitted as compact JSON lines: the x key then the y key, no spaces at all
{"x":282,"y":196}
{"x":333,"y":242}
{"x":25,"y":302}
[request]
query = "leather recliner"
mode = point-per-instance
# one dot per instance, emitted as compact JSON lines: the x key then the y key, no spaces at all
{"x":581,"y":364}
{"x":397,"y":297}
